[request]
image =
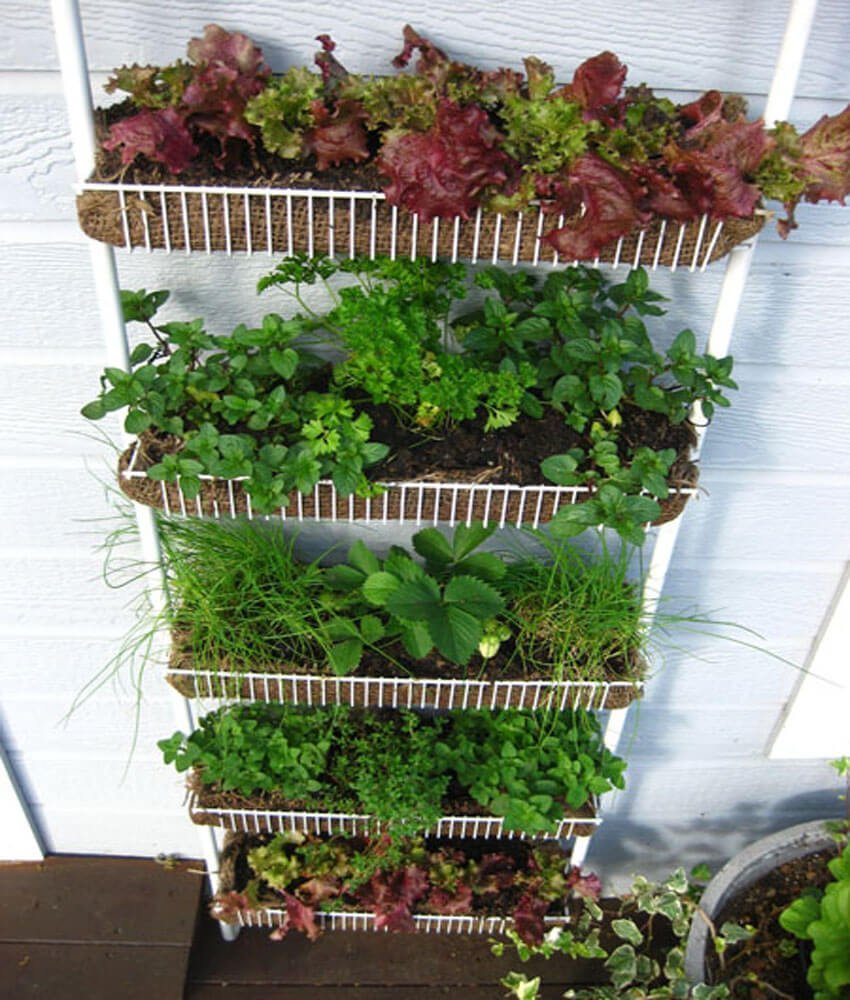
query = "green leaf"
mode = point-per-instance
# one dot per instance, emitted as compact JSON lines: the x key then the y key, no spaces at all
{"x":361,"y":558}
{"x":560,"y":470}
{"x":345,"y":656}
{"x":417,"y":640}
{"x":796,"y":918}
{"x":344,"y":578}
{"x":607,"y":390}
{"x":622,"y":965}
{"x":433,"y":546}
{"x":469,"y":537}
{"x":140,"y":353}
{"x":136,"y":422}
{"x":475,"y":597}
{"x":284,"y":362}
{"x":414,"y":600}
{"x":346,"y":478}
{"x":371,"y":628}
{"x":379,"y":587}
{"x":95,"y":410}
{"x":455,"y":633}
{"x":627,"y":930}
{"x":483,"y":565}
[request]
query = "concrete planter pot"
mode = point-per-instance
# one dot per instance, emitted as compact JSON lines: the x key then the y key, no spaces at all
{"x":738,"y":874}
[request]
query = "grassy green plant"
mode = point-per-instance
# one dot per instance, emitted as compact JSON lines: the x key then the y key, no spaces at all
{"x":576,"y":613}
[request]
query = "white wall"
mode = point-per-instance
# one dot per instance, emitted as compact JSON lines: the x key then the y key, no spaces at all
{"x":765,"y":547}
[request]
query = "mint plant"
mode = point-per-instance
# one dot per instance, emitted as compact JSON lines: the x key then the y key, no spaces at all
{"x":242,"y":406}
{"x":398,"y":768}
{"x":594,"y":359}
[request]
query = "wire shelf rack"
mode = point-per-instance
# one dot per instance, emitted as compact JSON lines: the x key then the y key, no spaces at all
{"x":411,"y":502}
{"x":425,"y":923}
{"x":271,"y":220}
{"x":402,"y":692}
{"x":248,"y":820}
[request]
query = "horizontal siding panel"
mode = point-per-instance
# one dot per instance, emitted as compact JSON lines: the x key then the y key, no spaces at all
{"x":107,"y":784}
{"x":721,"y":45}
{"x":763,"y":520}
{"x":771,"y":426}
{"x":40,"y":412}
{"x":780,"y":604}
{"x":697,"y":733}
{"x":121,"y":832}
{"x":105,"y":729}
{"x":711,"y":668}
{"x":59,"y":668}
{"x":36,"y":158}
{"x":71,"y":508}
{"x":61,"y":591}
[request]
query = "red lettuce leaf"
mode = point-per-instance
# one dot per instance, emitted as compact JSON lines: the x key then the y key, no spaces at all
{"x":458,"y":902}
{"x":588,"y":886}
{"x":612,"y":207}
{"x":596,"y":86}
{"x":431,"y":59}
{"x":230,"y":71}
{"x":495,"y":873}
{"x":160,"y":135}
{"x":662,"y":196}
{"x":713,"y":174}
{"x":392,"y":896}
{"x":227,"y":905}
{"x":228,"y":49}
{"x":332,"y":70}
{"x":528,"y":918}
{"x":825,"y":158}
{"x":443,"y":171}
{"x":704,"y":111}
{"x":339,"y":135}
{"x":318,"y":889}
{"x":298,"y":918}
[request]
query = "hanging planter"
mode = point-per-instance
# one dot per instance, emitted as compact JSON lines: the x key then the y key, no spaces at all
{"x":557,"y":409}
{"x":256,"y":767}
{"x":450,"y":887}
{"x":412,"y":502}
{"x":270,"y":220}
{"x":465,"y":629}
{"x":447,"y":161}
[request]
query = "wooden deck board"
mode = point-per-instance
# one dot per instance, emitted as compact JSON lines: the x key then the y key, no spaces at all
{"x":350,"y":962}
{"x":99,"y":899}
{"x":63,"y":971}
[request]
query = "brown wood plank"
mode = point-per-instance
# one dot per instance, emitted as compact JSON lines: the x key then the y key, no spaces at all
{"x":91,"y":971}
{"x":99,"y":899}
{"x":372,"y":992}
{"x":348,"y":959}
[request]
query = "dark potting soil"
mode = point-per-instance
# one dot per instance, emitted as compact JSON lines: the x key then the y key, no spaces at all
{"x":513,"y":454}
{"x":242,"y":167}
{"x":772,"y":963}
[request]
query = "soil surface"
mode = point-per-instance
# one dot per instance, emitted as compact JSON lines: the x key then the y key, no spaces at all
{"x":772,"y":959}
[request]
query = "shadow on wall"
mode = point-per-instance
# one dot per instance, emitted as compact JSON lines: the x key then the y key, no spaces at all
{"x":623,"y":848}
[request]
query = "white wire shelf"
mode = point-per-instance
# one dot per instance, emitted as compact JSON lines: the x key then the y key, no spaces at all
{"x":402,"y":692}
{"x":248,"y":820}
{"x":429,"y":923}
{"x":270,"y":220}
{"x":400,"y":502}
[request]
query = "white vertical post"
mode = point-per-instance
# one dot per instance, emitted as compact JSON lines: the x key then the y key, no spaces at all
{"x":75,"y":81}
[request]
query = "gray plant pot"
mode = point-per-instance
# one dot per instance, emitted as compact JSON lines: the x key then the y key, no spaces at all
{"x":741,"y":872}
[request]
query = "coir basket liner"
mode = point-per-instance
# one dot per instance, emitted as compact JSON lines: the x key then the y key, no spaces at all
{"x":350,"y":223}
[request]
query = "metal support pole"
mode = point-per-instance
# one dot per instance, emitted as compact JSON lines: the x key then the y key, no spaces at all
{"x":75,"y":80}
